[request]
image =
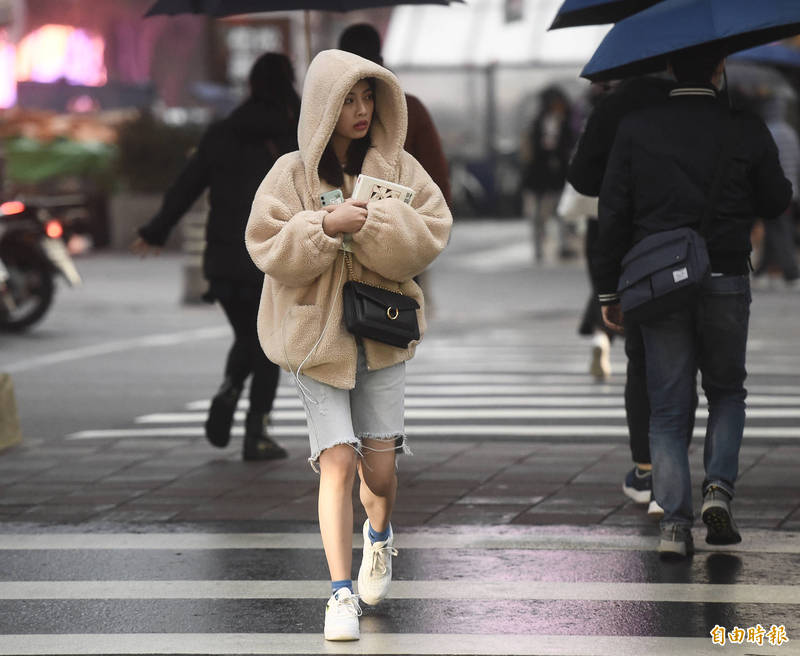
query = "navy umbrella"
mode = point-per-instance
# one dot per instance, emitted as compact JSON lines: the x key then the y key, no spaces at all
{"x":597,"y":12}
{"x":776,"y":54}
{"x":643,"y":42}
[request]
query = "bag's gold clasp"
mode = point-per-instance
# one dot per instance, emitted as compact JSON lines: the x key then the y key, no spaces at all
{"x":392,"y":316}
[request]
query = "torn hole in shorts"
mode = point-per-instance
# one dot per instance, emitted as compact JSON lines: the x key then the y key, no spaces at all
{"x":400,"y":444}
{"x":314,"y":459}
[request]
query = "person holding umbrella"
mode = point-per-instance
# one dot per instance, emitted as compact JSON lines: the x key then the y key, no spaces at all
{"x":659,"y":177}
{"x":311,"y":238}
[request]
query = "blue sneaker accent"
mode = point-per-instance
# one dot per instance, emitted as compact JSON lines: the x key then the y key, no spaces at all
{"x":379,"y":536}
{"x":338,"y":585}
{"x":638,"y":485}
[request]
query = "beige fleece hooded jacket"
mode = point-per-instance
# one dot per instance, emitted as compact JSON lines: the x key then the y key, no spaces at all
{"x":300,"y":318}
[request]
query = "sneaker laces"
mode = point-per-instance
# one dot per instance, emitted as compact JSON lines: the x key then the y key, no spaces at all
{"x":349,"y":605}
{"x":380,"y":557}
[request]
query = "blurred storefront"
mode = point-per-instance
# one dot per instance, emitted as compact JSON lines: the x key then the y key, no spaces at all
{"x":479,"y":68}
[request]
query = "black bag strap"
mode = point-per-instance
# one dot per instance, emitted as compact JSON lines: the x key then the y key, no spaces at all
{"x":723,"y":164}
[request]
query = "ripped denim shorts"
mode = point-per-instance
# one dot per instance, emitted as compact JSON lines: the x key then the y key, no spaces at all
{"x":373,"y":409}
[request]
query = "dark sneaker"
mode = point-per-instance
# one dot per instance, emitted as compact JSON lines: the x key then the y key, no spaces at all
{"x":716,"y":514}
{"x":676,"y":542}
{"x":220,"y":414}
{"x":638,"y":485}
{"x":257,"y":444}
{"x":262,"y":448}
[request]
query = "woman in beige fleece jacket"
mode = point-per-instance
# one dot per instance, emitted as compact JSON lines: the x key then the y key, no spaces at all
{"x":352,"y":120}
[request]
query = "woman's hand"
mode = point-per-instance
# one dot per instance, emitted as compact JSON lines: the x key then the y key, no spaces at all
{"x":344,"y":217}
{"x":141,"y":248}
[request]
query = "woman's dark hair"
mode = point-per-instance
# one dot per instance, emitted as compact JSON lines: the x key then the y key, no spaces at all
{"x":329,"y":168}
{"x":272,"y":82}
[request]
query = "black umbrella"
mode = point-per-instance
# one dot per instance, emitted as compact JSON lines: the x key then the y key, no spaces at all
{"x":597,"y":12}
{"x":220,"y":8}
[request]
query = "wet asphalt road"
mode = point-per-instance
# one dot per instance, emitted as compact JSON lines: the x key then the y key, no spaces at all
{"x":514,"y":537}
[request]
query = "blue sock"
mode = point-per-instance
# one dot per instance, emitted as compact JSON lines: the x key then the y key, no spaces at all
{"x":344,"y":583}
{"x":376,"y":536}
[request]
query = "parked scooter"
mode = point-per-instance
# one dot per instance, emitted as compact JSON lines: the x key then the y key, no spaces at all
{"x":32,"y":253}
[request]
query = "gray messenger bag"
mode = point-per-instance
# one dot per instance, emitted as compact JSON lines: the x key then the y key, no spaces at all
{"x":664,"y":271}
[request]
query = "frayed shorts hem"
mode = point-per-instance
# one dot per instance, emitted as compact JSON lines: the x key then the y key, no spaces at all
{"x":400,"y":446}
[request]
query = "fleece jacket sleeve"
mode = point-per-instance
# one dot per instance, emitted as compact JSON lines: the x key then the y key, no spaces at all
{"x":285,"y":241}
{"x":399,"y":241}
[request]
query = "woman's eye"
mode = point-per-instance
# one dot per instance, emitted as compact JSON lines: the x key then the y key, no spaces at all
{"x":347,"y":101}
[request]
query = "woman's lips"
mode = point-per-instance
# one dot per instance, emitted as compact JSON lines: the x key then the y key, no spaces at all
{"x":361,"y":125}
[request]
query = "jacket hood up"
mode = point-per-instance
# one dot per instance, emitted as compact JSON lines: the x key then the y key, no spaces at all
{"x":329,"y":78}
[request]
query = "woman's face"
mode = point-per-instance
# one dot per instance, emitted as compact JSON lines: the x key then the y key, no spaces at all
{"x":356,"y":115}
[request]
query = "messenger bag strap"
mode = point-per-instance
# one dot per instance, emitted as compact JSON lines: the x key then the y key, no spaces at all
{"x":720,"y":175}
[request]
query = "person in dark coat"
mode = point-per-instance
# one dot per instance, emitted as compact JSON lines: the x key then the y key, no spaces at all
{"x":658,"y":178}
{"x":422,"y":138}
{"x":586,"y":171}
{"x":551,"y":142}
{"x":233,"y":157}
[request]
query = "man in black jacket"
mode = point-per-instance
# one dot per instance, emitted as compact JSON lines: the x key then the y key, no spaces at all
{"x":658,"y":178}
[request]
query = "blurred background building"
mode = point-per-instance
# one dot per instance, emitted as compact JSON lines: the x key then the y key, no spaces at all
{"x":100,"y":106}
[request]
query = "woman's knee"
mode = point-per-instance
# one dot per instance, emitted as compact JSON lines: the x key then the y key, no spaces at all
{"x":339,"y":461}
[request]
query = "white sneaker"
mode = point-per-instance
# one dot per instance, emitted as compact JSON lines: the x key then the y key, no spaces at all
{"x":654,"y":510}
{"x":375,"y":573}
{"x":341,"y":616}
{"x":600,"y":367}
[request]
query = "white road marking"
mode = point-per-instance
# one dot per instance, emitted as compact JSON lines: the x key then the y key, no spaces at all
{"x":477,"y":590}
{"x":559,"y":538}
{"x":84,"y":352}
{"x":467,"y":413}
{"x":452,"y":400}
{"x":472,"y":431}
{"x":301,"y":644}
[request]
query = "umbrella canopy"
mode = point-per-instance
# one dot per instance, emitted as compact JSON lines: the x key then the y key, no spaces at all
{"x":231,"y":7}
{"x":775,"y":54}
{"x":643,"y":42}
{"x":597,"y":12}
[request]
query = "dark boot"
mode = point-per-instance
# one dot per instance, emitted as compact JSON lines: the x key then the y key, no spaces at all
{"x":257,"y":444}
{"x":220,"y":414}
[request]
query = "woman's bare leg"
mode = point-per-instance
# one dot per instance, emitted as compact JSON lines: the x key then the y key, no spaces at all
{"x":378,"y":488}
{"x":335,"y":505}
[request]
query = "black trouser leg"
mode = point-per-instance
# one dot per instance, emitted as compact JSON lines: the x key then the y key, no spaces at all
{"x":246,"y":355}
{"x":637,"y":403}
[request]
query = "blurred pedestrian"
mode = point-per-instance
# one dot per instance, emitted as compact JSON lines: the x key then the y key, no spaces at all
{"x":550,"y":144}
{"x":779,"y":251}
{"x":422,"y":138}
{"x":352,"y":120}
{"x":659,"y":177}
{"x":586,"y":171}
{"x":231,"y":160}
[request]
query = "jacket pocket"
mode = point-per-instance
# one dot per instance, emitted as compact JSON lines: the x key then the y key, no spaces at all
{"x":300,"y":331}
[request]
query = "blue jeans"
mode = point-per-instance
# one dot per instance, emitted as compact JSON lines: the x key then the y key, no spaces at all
{"x":712,"y":337}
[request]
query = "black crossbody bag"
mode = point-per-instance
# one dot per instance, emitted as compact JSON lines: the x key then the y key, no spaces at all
{"x":664,"y":271}
{"x":378,"y":313}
